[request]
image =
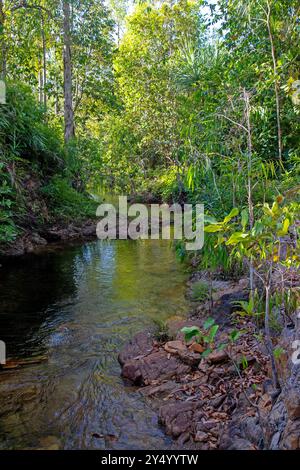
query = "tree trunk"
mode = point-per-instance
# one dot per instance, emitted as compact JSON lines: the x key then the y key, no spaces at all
{"x":44,"y":62}
{"x":68,"y":97}
{"x":41,"y":84}
{"x":249,"y":184}
{"x":2,"y":42}
{"x":276,"y":84}
{"x":269,"y":344}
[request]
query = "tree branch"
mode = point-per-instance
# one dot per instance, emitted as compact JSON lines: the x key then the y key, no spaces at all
{"x":26,"y":5}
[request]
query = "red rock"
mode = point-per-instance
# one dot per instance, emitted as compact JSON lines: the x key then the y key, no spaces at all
{"x":217,"y":356}
{"x":197,"y":348}
{"x":155,"y":366}
{"x":174,"y":347}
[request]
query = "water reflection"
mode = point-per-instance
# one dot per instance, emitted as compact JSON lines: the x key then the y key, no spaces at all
{"x":78,"y":307}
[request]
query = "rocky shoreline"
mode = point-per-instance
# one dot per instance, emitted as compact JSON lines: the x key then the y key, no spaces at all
{"x":225,"y":400}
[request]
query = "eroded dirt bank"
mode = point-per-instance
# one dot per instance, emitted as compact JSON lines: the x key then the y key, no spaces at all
{"x":226,"y":400}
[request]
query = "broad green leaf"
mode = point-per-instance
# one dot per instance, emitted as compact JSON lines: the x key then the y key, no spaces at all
{"x":267,"y":210}
{"x":234,"y":212}
{"x":285,"y":228}
{"x":275,"y":208}
{"x":208,"y":219}
{"x":236,"y":237}
{"x":213,"y":332}
{"x":190,"y":332}
{"x":213,"y":228}
{"x":245,"y":218}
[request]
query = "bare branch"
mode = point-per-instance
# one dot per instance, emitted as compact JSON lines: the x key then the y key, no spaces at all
{"x":232,"y":121}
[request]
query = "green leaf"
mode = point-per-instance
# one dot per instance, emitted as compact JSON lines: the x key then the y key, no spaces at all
{"x":278,"y":352}
{"x":213,"y":228}
{"x":258,"y":228}
{"x":237,"y":237}
{"x":208,"y":219}
{"x":213,"y":332}
{"x":244,"y":362}
{"x":235,"y":335}
{"x":267,"y":210}
{"x":206,"y":352}
{"x":234,"y":212}
{"x":285,"y":228}
{"x":245,"y":218}
{"x":190,"y":332}
{"x":208,"y":323}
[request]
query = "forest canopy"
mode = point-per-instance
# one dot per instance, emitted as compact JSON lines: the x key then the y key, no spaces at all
{"x":192,"y":103}
{"x":177,"y":100}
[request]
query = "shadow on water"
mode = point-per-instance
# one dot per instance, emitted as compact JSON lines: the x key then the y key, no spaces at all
{"x":78,"y":306}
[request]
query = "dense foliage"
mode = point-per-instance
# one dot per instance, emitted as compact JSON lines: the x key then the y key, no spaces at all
{"x":187,"y":82}
{"x":173,"y":100}
{"x":35,"y":174}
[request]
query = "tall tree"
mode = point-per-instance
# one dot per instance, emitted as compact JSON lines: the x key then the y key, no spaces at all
{"x":69,"y":131}
{"x":2,"y":42}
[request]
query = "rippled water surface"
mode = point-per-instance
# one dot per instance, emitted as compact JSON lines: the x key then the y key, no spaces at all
{"x":77,"y":307}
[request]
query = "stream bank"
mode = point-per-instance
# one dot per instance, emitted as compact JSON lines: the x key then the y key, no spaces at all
{"x":223,"y":401}
{"x":37,"y":241}
{"x":79,"y":304}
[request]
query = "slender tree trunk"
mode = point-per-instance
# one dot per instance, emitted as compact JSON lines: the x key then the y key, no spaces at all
{"x":41,"y":85}
{"x":269,"y":344}
{"x":249,"y":183}
{"x":56,"y":105}
{"x":2,"y":42}
{"x":276,"y":84}
{"x":68,"y":97}
{"x":44,"y":61}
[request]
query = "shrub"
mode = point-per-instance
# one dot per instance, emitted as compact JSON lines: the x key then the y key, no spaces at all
{"x":25,"y":133}
{"x":65,"y":202}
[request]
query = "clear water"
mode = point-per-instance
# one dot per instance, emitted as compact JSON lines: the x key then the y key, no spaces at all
{"x":78,"y":306}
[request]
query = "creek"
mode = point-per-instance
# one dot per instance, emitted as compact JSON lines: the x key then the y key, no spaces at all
{"x":76,"y":307}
